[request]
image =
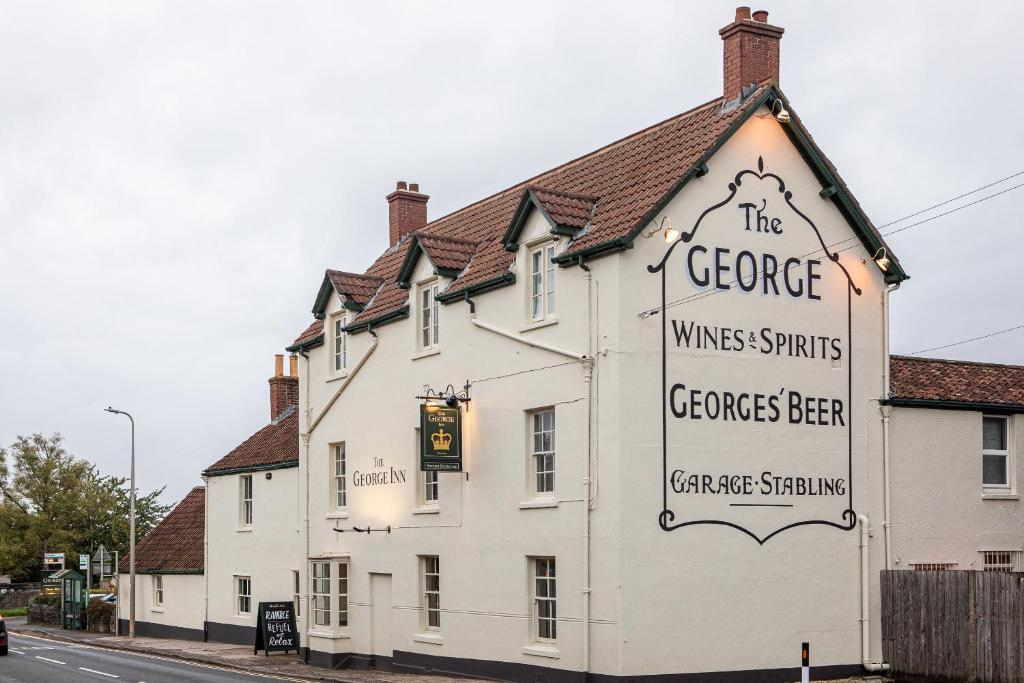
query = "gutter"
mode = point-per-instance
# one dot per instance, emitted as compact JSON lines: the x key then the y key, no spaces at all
{"x":284,"y":464}
{"x":944,"y":404}
{"x":495,"y":282}
{"x":368,"y":325}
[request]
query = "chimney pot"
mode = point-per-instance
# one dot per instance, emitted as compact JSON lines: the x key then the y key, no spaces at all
{"x":279,"y":365}
{"x":407,"y":211}
{"x":750,"y":51}
{"x":293,"y":365}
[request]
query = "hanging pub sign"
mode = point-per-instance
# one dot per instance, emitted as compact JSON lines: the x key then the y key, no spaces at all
{"x":275,"y":628}
{"x":440,"y":438}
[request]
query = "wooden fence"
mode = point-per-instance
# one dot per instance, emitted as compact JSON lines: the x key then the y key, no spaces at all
{"x":954,"y":625}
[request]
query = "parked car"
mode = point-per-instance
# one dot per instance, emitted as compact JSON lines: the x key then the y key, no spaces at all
{"x":110,"y":598}
{"x":3,"y":636}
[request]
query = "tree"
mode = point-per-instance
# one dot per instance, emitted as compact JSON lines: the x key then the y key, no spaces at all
{"x":55,"y":502}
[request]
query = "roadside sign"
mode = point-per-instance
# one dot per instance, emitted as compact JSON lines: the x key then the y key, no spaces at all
{"x":102,"y":562}
{"x":275,"y":628}
{"x":83,"y":561}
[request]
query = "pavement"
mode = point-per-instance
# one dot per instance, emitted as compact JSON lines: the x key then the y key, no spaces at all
{"x":35,"y":648}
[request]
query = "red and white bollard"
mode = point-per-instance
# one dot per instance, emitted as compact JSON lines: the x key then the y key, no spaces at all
{"x":805,"y":663}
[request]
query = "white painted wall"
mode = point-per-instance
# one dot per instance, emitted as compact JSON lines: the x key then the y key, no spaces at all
{"x":701,"y":598}
{"x":182,"y":606}
{"x":940,"y":512}
{"x":267,"y":551}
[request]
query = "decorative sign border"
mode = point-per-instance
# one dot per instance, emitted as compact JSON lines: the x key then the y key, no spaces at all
{"x":666,"y":518}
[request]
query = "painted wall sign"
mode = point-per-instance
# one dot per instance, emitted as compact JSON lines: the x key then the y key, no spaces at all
{"x":756,"y":367}
{"x":275,"y":628}
{"x":440,"y":438}
{"x":380,"y":475}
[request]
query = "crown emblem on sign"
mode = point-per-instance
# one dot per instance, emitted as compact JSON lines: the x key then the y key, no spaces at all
{"x":441,"y":440}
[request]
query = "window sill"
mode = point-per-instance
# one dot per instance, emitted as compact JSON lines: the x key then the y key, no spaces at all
{"x":247,"y":617}
{"x":335,"y":378}
{"x":426,"y":510}
{"x":427,"y":353}
{"x":993,"y":495}
{"x":536,"y":503}
{"x":339,"y":514}
{"x":537,"y":324}
{"x":244,"y":530}
{"x":428,"y":637}
{"x":542,"y":650}
{"x":335,"y":635}
{"x":158,"y":610}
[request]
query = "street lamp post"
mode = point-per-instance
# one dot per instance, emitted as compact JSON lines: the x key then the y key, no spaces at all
{"x":131,"y":547}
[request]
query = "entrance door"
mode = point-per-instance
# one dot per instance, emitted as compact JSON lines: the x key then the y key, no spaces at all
{"x":380,"y":619}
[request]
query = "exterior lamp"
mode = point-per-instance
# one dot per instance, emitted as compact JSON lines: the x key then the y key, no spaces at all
{"x":881,"y":258}
{"x":782,"y":116}
{"x":665,"y":226}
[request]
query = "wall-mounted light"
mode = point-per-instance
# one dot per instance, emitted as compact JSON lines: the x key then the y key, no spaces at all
{"x":881,"y":258}
{"x":782,"y":116}
{"x":665,"y":226}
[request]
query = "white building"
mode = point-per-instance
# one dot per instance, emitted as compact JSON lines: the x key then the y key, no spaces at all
{"x":957,"y":431}
{"x":254,"y":548}
{"x":675,"y":350}
{"x":169,"y":575}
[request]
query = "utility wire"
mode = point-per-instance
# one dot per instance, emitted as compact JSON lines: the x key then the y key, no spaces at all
{"x":968,"y":341}
{"x":700,"y":295}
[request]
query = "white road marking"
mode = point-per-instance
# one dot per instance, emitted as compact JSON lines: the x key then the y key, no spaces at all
{"x":20,"y":652}
{"x":94,"y":671}
{"x":46,"y":659}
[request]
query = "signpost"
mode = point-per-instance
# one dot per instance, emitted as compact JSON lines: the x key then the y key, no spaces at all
{"x":440,"y":438}
{"x":275,"y":628}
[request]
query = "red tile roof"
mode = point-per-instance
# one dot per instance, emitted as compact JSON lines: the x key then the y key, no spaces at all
{"x":447,"y":253}
{"x":316,"y":329}
{"x":933,"y":379}
{"x":275,"y":445}
{"x":358,"y":288}
{"x":566,"y":209}
{"x":175,"y":545}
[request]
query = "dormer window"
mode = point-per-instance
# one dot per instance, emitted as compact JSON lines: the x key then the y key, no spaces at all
{"x":429,"y":310}
{"x":542,"y":282}
{"x":340,"y":344}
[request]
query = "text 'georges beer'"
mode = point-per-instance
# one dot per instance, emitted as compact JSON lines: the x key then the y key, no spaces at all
{"x":756,"y":373}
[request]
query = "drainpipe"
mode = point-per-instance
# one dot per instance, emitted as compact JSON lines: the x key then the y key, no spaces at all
{"x":885,"y":410}
{"x":865,"y":619}
{"x":523,"y":340}
{"x":206,"y":557}
{"x":304,"y":442}
{"x":588,"y":377}
{"x":345,"y":382}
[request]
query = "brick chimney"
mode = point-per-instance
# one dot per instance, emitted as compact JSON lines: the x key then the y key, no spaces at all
{"x":284,"y":389}
{"x":751,"y":51}
{"x":407,"y":211}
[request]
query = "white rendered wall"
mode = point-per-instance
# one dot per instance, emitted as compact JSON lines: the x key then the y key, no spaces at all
{"x":182,"y":604}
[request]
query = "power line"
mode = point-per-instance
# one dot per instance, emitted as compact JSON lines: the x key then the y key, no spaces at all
{"x":700,"y":295}
{"x":968,"y":341}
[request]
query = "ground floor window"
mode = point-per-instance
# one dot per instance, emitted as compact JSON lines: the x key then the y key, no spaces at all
{"x":243,"y":595}
{"x":1002,"y":560}
{"x":158,"y":591}
{"x":329,"y":592}
{"x":932,"y":566}
{"x":296,"y":593}
{"x":430,"y":604}
{"x":321,"y":593}
{"x":343,"y":594}
{"x":544,"y":599}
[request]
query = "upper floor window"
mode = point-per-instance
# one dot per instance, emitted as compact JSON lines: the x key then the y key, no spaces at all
{"x":340,"y":345}
{"x":339,"y":476}
{"x":430,"y":496}
{"x":995,"y":452}
{"x":245,"y":500}
{"x":542,"y":450}
{"x":542,"y":282}
{"x":429,"y":309}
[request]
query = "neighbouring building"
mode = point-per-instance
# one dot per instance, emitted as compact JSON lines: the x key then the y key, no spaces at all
{"x":668,"y":356}
{"x":169,"y":575}
{"x":957,"y":432}
{"x":254,"y":549}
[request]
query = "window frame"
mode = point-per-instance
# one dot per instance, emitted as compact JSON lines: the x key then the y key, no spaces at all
{"x":541,"y":290}
{"x":339,"y":492}
{"x":158,"y":591}
{"x":428,"y":315}
{"x":537,"y":626}
{"x":329,"y":612}
{"x":1003,"y":453}
{"x":245,"y":504}
{"x":339,"y":345}
{"x":297,"y":592}
{"x":428,"y":563}
{"x":237,"y":580}
{"x":534,"y":455}
{"x":320,"y":601}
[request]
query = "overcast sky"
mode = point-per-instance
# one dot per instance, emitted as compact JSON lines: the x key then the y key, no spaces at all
{"x":175,"y":177}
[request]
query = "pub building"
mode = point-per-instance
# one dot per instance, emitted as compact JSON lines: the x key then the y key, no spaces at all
{"x":663,"y":363}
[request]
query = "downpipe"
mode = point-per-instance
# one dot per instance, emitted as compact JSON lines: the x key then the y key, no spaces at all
{"x":865,"y":619}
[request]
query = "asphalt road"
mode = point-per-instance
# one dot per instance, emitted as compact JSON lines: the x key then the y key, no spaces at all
{"x":37,"y":660}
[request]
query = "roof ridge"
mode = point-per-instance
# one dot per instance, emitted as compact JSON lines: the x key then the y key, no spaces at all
{"x":600,"y":150}
{"x":953,"y":361}
{"x":351,"y":274}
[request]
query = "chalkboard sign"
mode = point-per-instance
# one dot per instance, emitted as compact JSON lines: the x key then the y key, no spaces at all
{"x":275,"y":628}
